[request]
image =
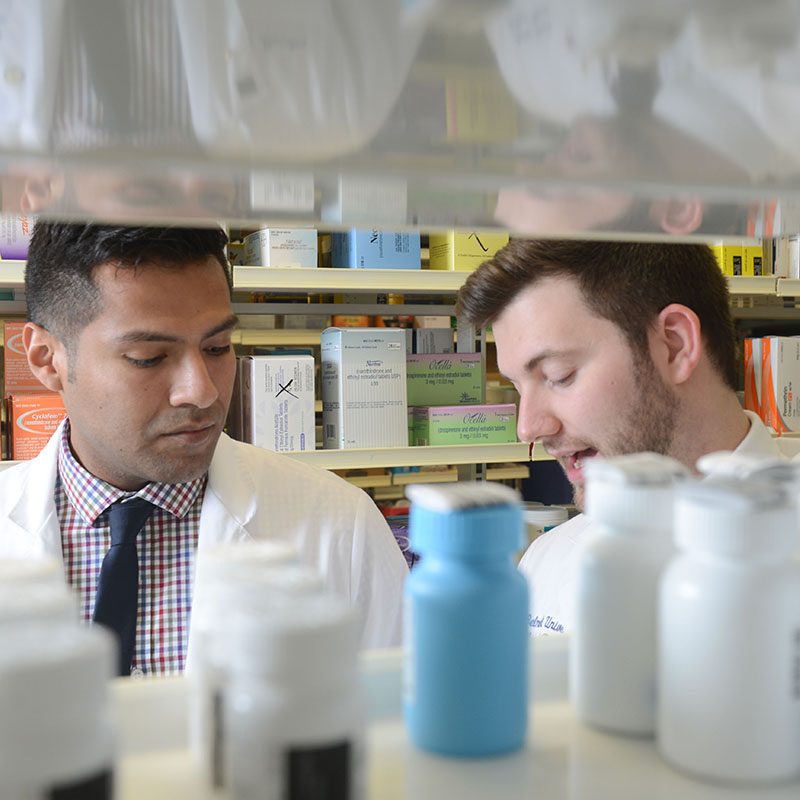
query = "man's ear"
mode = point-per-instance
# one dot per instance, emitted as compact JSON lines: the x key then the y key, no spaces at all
{"x":46,"y":356}
{"x":679,"y":340}
{"x":679,"y":216}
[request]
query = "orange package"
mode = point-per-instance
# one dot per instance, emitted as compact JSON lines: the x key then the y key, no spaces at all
{"x":18,"y":375}
{"x":33,"y":418}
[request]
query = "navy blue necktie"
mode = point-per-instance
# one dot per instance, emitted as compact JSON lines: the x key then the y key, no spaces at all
{"x":118,"y":586}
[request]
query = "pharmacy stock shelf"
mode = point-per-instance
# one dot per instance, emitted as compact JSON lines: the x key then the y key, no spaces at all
{"x":423,"y":281}
{"x":561,"y":759}
{"x":326,"y":279}
{"x":363,"y":458}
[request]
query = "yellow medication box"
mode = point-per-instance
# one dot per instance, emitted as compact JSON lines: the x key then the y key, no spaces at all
{"x":456,"y":250}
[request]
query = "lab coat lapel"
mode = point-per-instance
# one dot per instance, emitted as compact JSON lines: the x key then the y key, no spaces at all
{"x":34,"y":511}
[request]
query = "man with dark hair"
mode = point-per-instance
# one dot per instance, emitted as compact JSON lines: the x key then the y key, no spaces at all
{"x":614,"y":348}
{"x":132,"y":327}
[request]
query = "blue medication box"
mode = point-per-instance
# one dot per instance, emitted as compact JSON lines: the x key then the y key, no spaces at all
{"x":375,"y":249}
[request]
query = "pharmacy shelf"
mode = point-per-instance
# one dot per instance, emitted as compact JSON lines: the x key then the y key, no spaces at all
{"x":389,"y":281}
{"x":419,"y":456}
{"x":739,"y":284}
{"x":788,"y":287}
{"x":508,"y":473}
{"x":561,"y":759}
{"x":12,"y":274}
{"x":443,"y":476}
{"x":325,"y":279}
{"x":269,"y":337}
{"x":272,"y":337}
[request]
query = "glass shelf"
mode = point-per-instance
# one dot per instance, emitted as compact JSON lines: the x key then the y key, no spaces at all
{"x":666,"y":120}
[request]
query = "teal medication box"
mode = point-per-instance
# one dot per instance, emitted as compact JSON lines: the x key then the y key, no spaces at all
{"x":375,"y":249}
{"x":479,"y":424}
{"x":444,"y":379}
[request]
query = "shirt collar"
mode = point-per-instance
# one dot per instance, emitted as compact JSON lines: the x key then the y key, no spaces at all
{"x":91,"y":496}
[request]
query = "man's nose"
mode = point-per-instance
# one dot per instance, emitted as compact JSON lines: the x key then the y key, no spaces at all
{"x":193,"y":385}
{"x":536,"y":418}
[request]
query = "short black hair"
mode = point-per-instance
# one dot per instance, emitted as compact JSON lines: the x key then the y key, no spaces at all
{"x":61,"y":293}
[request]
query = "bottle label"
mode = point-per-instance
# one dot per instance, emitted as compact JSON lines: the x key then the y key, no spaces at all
{"x":98,"y":787}
{"x":217,"y":741}
{"x":321,"y":771}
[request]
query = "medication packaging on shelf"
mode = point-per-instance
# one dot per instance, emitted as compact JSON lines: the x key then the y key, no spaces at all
{"x":444,"y":379}
{"x":375,"y":249}
{"x":364,"y":388}
{"x":277,"y":401}
{"x":280,"y":247}
{"x":443,"y":425}
{"x":457,"y":250}
{"x":15,"y":235}
{"x":33,"y":420}
{"x":780,"y":381}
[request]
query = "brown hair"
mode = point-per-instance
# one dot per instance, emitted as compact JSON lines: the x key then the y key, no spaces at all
{"x":627,"y":283}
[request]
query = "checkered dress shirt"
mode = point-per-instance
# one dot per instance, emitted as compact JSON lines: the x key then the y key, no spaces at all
{"x":166,"y":545}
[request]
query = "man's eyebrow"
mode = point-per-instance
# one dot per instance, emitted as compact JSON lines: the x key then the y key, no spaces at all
{"x":133,"y":337}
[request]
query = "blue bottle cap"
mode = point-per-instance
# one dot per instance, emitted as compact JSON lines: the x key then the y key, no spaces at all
{"x":465,"y":519}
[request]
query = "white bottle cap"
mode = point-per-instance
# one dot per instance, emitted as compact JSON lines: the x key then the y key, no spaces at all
{"x":296,"y":639}
{"x":729,"y":517}
{"x":53,"y":695}
{"x":249,"y":583}
{"x":724,"y":463}
{"x":633,"y":492}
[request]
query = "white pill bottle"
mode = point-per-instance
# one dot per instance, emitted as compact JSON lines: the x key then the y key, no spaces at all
{"x":729,"y":634}
{"x":613,"y":652}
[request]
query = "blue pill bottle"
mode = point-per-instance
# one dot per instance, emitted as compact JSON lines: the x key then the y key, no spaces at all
{"x":465,"y":675}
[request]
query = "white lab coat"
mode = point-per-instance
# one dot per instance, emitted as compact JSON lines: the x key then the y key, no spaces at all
{"x":251,"y":494}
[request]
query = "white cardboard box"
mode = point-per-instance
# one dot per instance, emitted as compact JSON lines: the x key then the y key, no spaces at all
{"x":281,"y":247}
{"x":364,"y":388}
{"x":278,"y":402}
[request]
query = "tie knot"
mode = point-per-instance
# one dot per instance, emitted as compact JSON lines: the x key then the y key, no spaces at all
{"x":127,"y":518}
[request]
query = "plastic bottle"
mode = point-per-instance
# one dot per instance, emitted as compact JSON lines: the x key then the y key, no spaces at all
{"x":730,"y":634}
{"x":466,"y":633}
{"x":55,"y":727}
{"x":540,"y":518}
{"x":231,"y":576}
{"x":295,"y":712}
{"x":613,"y":649}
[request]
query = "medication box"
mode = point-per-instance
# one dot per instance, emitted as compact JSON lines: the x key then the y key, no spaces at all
{"x":753,"y":260}
{"x":278,"y":402}
{"x":780,"y":382}
{"x":34,"y":418}
{"x":464,"y":251}
{"x":479,"y":424}
{"x":752,"y":375}
{"x":364,"y":387}
{"x":279,"y":247}
{"x":18,"y":376}
{"x":15,"y":235}
{"x":729,"y":258}
{"x":429,"y":340}
{"x":444,"y":379}
{"x":375,"y":249}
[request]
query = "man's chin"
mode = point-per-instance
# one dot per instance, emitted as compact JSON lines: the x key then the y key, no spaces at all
{"x":578,"y":494}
